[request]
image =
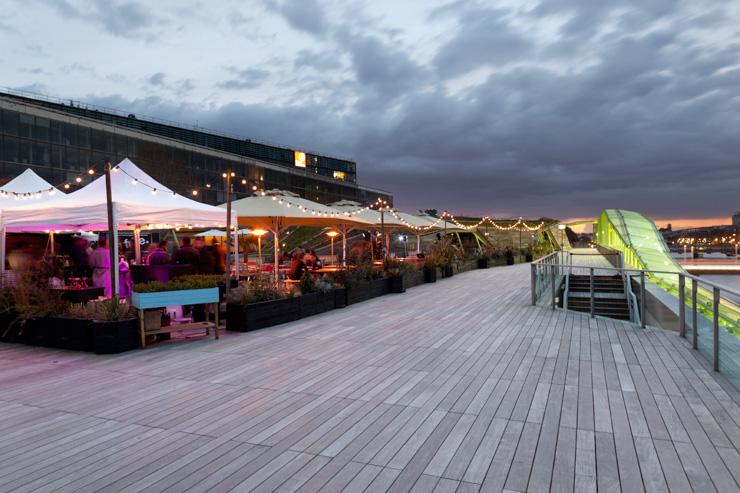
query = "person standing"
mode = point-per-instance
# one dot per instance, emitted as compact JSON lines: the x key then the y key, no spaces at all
{"x":186,"y":254}
{"x":100,"y":263}
{"x":160,"y":255}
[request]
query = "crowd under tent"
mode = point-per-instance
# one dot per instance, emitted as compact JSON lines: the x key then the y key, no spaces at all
{"x":277,"y":209}
{"x":138,"y":202}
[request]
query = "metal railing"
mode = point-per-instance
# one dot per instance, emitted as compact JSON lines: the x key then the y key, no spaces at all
{"x":703,"y":309}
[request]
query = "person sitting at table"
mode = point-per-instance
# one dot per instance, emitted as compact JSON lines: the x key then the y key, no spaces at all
{"x":316,"y":261}
{"x":308,"y":259}
{"x":160,"y":255}
{"x":186,"y":254}
{"x":297,"y":267}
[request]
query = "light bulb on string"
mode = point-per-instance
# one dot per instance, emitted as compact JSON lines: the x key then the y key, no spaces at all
{"x":91,"y":171}
{"x":66,"y":186}
{"x":78,"y":179}
{"x":195,"y":193}
{"x":134,"y":181}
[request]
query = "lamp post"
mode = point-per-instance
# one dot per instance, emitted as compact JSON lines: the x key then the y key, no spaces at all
{"x":258,"y":233}
{"x":332,"y":234}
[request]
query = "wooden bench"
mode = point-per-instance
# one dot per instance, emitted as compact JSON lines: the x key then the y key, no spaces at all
{"x":150,"y":323}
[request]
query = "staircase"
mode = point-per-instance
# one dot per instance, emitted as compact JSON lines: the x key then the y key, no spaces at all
{"x":609,"y":297}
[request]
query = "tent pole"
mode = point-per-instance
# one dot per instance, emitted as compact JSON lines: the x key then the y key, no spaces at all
{"x":137,"y":244}
{"x":3,"y":237}
{"x":236,"y":252}
{"x":51,"y":242}
{"x":418,"y":243}
{"x":276,"y":234}
{"x":112,"y":232}
{"x":344,"y":244}
{"x":227,"y":288}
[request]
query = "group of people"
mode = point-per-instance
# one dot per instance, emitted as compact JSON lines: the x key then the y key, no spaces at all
{"x":205,"y":259}
{"x":302,"y":261}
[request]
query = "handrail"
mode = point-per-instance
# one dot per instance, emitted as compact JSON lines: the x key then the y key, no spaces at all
{"x":646,"y":271}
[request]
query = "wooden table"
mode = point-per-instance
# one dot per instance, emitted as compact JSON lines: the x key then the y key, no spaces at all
{"x":79,"y":295}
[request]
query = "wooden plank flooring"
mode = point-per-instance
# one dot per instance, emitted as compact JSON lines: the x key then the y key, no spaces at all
{"x":459,"y":386}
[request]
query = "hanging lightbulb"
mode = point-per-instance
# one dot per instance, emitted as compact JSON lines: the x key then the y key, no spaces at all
{"x":244,"y":181}
{"x":208,"y":185}
{"x":52,"y":192}
{"x":195,"y":192}
{"x":134,"y":181}
{"x":154,"y":191}
{"x":66,"y":186}
{"x":91,"y":171}
{"x":78,"y":179}
{"x":254,"y":188}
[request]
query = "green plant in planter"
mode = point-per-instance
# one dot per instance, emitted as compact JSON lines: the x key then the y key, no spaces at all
{"x":261,"y":288}
{"x":351,"y":277}
{"x":307,"y":283}
{"x":396,"y":268}
{"x":179,"y":284}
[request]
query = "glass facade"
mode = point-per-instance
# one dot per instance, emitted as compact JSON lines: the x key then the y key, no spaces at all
{"x":61,"y":149}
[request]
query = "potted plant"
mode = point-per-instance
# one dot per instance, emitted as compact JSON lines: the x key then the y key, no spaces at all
{"x":31,"y":304}
{"x":114,"y":326}
{"x":430,"y":268}
{"x":258,"y":304}
{"x":396,"y":271}
{"x":361,"y":283}
{"x":448,"y":255}
{"x":315,"y":295}
{"x":482,"y":259}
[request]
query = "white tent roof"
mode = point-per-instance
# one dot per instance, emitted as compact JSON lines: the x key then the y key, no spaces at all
{"x":137,"y":200}
{"x":370,"y":216}
{"x":221,"y":234}
{"x":26,"y":187}
{"x":280,"y":208}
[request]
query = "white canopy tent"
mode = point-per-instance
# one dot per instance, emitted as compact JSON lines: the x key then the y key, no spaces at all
{"x":139,"y":202}
{"x":26,"y":188}
{"x":279,"y":209}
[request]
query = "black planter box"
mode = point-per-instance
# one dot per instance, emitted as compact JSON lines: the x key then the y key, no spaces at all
{"x":395,"y":284}
{"x":340,"y":297}
{"x":366,"y":290}
{"x":115,"y":336}
{"x":71,"y":333}
{"x":483,"y":263}
{"x":430,"y":274}
{"x":447,"y":271}
{"x":413,"y":278}
{"x":315,"y":303}
{"x":244,"y":318}
{"x":528,"y":257}
{"x":509,"y":260}
{"x":8,"y":327}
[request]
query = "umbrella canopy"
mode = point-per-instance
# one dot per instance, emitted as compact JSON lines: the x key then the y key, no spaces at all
{"x":279,"y":209}
{"x":217,"y":233}
{"x":367,"y":216}
{"x":26,"y":187}
{"x":138,"y":200}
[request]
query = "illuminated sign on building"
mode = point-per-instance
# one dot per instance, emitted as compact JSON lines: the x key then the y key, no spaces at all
{"x":300,"y":159}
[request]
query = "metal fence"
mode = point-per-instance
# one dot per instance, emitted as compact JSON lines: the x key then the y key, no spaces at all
{"x":705,"y":310}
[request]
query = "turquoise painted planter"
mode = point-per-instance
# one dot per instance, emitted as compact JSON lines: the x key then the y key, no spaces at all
{"x":144,"y":301}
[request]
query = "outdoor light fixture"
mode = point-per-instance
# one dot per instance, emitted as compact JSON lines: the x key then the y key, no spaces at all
{"x":195,"y":192}
{"x":78,"y":179}
{"x":91,"y":171}
{"x":259,"y":233}
{"x":332,"y":234}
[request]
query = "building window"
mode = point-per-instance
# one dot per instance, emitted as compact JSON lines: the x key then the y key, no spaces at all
{"x":340,"y":175}
{"x":300,"y":159}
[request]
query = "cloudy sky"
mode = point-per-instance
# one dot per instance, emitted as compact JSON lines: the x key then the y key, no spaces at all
{"x":509,"y":107}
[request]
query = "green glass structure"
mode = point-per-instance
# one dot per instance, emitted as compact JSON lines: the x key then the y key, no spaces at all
{"x":643,"y":248}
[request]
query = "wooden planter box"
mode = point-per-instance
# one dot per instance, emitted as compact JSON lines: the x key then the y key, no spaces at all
{"x":150,"y":324}
{"x":144,"y":301}
{"x":315,"y":303}
{"x":430,"y":275}
{"x":366,"y":290}
{"x":244,"y":318}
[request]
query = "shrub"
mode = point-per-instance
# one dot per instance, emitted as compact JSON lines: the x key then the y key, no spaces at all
{"x":396,"y":268}
{"x":179,"y":284}
{"x":262,"y":288}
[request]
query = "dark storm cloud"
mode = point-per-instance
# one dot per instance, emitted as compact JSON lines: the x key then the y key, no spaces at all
{"x":247,"y":78}
{"x":304,"y":15}
{"x":118,"y":18}
{"x":626,"y":104}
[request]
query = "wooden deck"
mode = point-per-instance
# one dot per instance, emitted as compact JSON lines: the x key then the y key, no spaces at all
{"x":457,"y":386}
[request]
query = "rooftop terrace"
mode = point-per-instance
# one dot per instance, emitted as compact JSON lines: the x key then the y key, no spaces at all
{"x":459,"y":386}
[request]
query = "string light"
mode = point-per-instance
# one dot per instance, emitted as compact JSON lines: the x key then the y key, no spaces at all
{"x":195,"y":193}
{"x":78,"y":179}
{"x":91,"y":171}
